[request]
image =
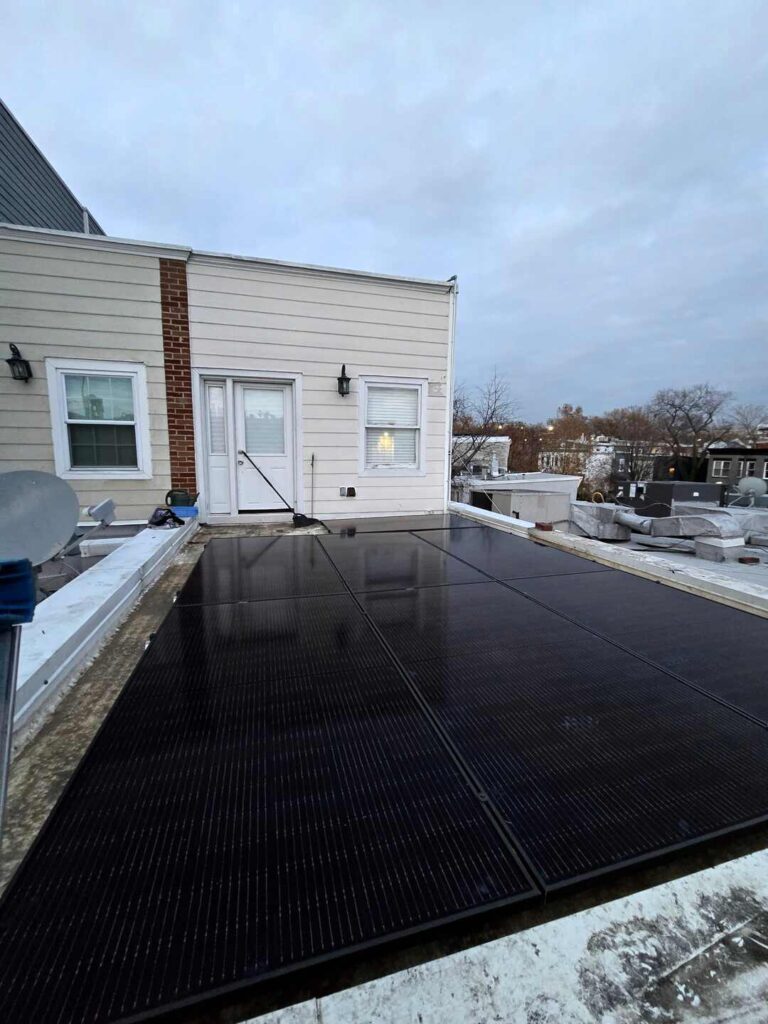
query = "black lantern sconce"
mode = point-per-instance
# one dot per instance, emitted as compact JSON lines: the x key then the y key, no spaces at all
{"x":343,"y":381}
{"x":20,"y":368}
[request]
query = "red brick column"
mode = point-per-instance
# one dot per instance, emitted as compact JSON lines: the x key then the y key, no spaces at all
{"x":178,"y":376}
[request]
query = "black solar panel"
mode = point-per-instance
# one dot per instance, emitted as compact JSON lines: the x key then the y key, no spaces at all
{"x":444,"y":621}
{"x":279,"y":782}
{"x":264,"y":793}
{"x":717,"y":648}
{"x":507,"y":557}
{"x":393,"y":524}
{"x":259,"y":568}
{"x":394,"y":561}
{"x":595,"y":759}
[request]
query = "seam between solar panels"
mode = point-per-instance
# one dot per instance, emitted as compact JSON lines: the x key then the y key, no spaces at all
{"x":331,"y":593}
{"x":476,"y":787}
{"x":602,"y":636}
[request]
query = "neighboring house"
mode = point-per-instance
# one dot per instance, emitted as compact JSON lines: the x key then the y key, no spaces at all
{"x":31,"y":192}
{"x":486,"y":455}
{"x":155,"y":366}
{"x":602,"y":461}
{"x":728,"y":465}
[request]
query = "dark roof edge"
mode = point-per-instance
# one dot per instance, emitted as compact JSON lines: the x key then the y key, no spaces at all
{"x":45,"y":159}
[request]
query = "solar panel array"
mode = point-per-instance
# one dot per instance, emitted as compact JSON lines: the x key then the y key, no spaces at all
{"x":334,"y":742}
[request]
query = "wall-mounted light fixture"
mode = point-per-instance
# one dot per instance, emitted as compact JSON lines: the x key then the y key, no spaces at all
{"x":343,"y":381}
{"x":20,"y":368}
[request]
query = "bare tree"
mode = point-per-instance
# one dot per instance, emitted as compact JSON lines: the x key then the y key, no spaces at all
{"x":479,"y":415}
{"x":746,"y":419}
{"x":567,"y":443}
{"x":525,"y":443}
{"x":690,"y":419}
{"x":638,"y":431}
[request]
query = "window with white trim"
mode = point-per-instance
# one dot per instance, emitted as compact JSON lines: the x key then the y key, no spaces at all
{"x":765,"y":470}
{"x":392,"y":426}
{"x":99,"y":418}
{"x":746,"y":467}
{"x":721,"y":467}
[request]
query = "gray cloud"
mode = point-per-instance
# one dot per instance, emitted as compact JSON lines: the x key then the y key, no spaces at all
{"x":595,"y":173}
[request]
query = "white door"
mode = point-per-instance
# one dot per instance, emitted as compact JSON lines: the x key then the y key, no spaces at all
{"x":264,"y":437}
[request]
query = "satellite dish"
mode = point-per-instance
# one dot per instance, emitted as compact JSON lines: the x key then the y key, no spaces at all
{"x":752,"y":486}
{"x":38,"y":515}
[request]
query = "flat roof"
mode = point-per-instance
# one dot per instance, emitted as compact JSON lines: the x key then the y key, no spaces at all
{"x":336,"y":742}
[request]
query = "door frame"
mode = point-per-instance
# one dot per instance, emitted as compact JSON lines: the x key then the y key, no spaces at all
{"x":202,"y":375}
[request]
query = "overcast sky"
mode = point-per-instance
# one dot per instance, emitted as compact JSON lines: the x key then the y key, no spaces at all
{"x":595,"y":173}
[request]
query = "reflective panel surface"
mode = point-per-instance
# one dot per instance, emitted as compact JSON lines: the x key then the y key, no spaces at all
{"x":396,"y":524}
{"x":265,"y":792}
{"x":594,"y":758}
{"x":259,"y":568}
{"x":394,"y":561}
{"x":720,"y":649}
{"x":507,"y":557}
{"x":337,"y":741}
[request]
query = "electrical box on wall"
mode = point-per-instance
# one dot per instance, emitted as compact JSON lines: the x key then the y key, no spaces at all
{"x":347,"y":492}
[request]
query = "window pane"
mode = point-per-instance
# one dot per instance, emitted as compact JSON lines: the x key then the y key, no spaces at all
{"x":216,"y":425}
{"x":95,"y":447}
{"x":392,"y":407}
{"x":92,"y":397}
{"x":390,"y":448}
{"x":264,"y":421}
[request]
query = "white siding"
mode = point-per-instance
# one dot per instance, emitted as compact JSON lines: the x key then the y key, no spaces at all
{"x":78,"y":303}
{"x":257,"y":318}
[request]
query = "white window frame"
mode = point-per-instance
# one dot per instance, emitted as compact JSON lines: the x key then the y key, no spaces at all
{"x":418,"y":383}
{"x":722,"y":475}
{"x":765,"y":469}
{"x":56,"y":370}
{"x":743,"y":464}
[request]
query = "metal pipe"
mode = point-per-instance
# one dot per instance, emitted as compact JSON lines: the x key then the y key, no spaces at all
{"x":266,"y":479}
{"x":10,"y":644}
{"x":312,"y":487}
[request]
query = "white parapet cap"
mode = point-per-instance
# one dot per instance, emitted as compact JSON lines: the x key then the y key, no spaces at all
{"x":182,"y":252}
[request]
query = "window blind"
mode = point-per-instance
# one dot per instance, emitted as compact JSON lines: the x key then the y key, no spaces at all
{"x":391,"y":426}
{"x":392,"y":407}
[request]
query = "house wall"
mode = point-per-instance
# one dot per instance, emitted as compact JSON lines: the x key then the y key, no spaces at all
{"x":31,"y":192}
{"x":263,"y":317}
{"x":735,"y":455}
{"x":64,"y":298}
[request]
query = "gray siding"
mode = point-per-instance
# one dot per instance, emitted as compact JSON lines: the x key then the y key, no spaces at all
{"x":31,"y":192}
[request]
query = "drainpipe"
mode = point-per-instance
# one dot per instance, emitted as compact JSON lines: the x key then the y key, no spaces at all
{"x":453,"y":286}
